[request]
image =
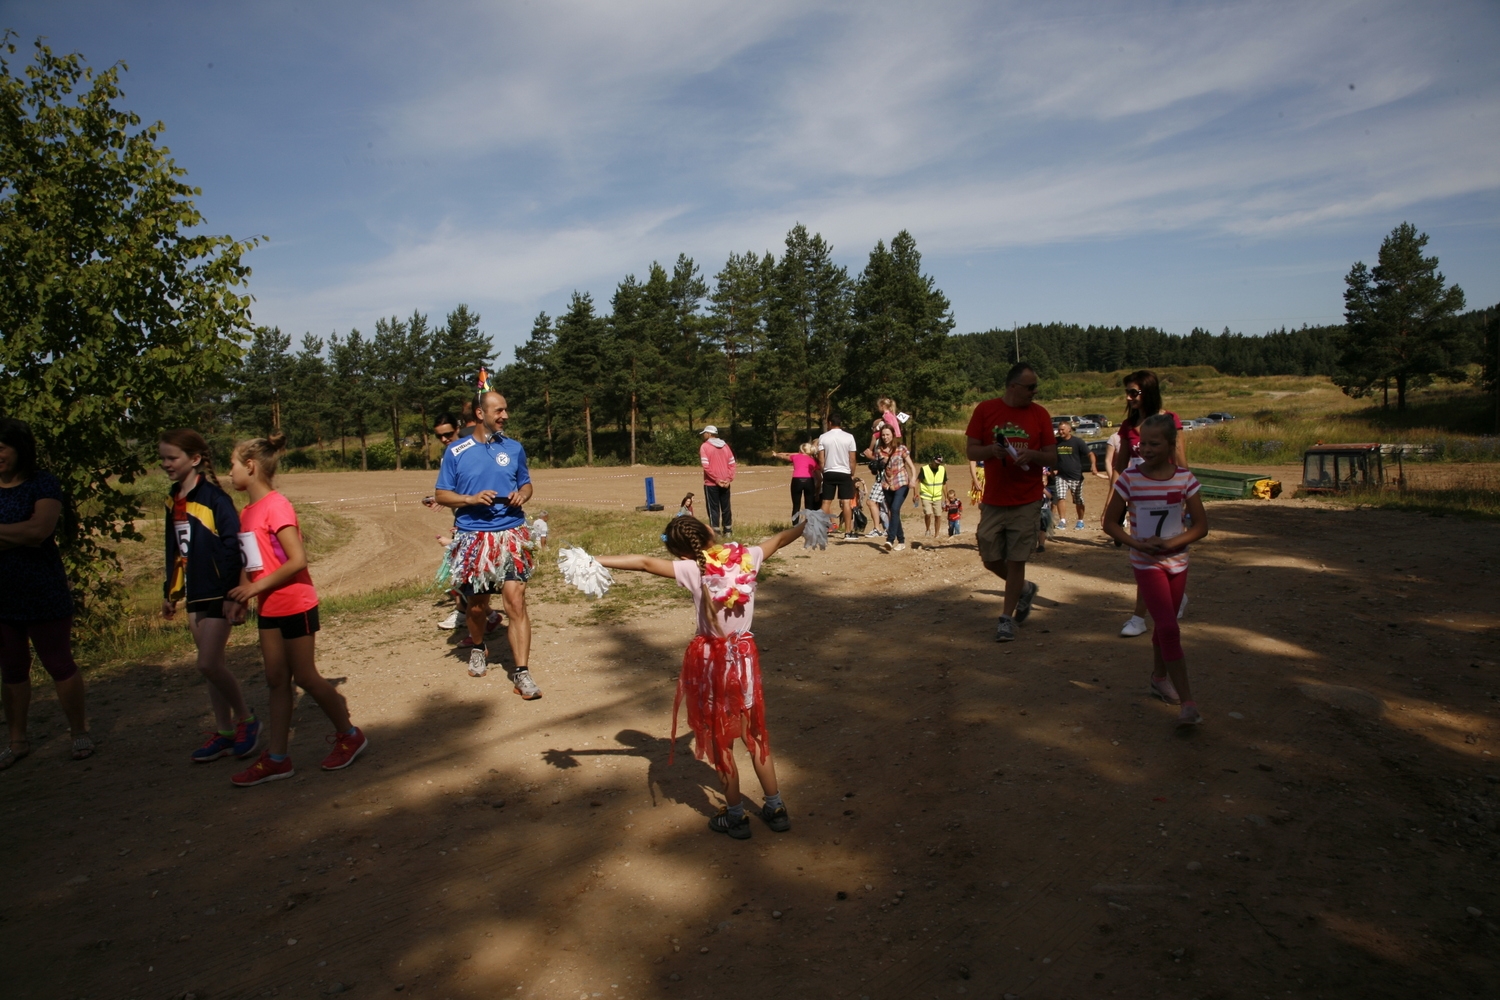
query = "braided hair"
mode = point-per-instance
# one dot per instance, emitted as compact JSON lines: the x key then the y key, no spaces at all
{"x":688,"y":538}
{"x":193,"y":445}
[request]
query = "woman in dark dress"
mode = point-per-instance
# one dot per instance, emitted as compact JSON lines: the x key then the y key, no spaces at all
{"x":36,"y":606}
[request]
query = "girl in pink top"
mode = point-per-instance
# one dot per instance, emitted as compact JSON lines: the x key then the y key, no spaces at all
{"x":720,"y":679}
{"x":1156,"y":493}
{"x":805,"y":492}
{"x":275,"y":577}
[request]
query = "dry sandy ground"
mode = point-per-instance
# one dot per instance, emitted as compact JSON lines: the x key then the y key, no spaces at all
{"x":968,"y":818}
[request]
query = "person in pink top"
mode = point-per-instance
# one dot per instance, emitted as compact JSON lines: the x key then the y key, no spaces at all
{"x":805,"y":492}
{"x":717,"y":459}
{"x":1158,"y":493}
{"x":720,"y":679}
{"x":275,"y":576}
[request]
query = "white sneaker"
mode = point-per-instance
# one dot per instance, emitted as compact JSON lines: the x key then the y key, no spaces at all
{"x":1134,"y":625}
{"x":479,"y":664}
{"x":451,"y":622}
{"x":899,"y":546}
{"x":1182,"y":608}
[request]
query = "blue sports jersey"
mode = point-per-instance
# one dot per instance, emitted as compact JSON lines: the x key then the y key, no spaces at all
{"x":470,"y":466}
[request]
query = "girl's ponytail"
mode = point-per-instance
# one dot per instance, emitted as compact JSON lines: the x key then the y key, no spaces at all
{"x":264,"y":452}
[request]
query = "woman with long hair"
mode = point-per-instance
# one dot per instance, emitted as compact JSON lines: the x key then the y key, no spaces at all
{"x":36,"y":603}
{"x":900,"y":473}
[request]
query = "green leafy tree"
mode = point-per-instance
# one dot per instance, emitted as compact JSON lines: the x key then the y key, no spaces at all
{"x":117,"y":313}
{"x":1398,"y":321}
{"x":901,"y":322}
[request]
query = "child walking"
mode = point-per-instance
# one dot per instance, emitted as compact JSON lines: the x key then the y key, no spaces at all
{"x":720,"y":679}
{"x":954,"y":508}
{"x":275,"y":575}
{"x":1157,"y":492}
{"x":203,"y":565}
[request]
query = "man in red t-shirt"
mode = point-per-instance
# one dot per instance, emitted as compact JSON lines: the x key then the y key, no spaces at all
{"x":1013,"y":437}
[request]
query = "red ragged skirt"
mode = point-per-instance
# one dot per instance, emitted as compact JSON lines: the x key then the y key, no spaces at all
{"x":720,"y":683}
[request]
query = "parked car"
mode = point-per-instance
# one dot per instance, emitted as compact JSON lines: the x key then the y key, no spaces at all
{"x":1099,"y":419}
{"x":1066,"y":418}
{"x":1192,"y":425}
{"x":1218,"y":417}
{"x":1085,"y":427}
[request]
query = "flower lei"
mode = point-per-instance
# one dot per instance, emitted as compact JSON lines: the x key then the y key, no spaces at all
{"x":729,"y":575}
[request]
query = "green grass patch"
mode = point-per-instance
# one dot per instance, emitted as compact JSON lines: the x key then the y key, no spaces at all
{"x":1475,"y":503}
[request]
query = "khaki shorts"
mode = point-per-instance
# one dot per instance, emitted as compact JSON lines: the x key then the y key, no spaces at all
{"x":930,"y":508}
{"x":1008,"y":534}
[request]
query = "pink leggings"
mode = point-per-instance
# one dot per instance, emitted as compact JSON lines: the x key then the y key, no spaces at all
{"x":54,"y":647}
{"x":1162,"y":592}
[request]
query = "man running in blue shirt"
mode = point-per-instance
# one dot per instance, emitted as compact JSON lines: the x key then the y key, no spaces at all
{"x":484,"y":477}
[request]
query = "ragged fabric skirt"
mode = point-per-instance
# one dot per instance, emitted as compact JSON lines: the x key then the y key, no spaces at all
{"x":720,"y":685}
{"x":483,"y":559}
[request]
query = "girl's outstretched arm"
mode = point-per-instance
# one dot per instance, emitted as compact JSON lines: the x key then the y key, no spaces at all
{"x":770,"y":545}
{"x":643,"y":564}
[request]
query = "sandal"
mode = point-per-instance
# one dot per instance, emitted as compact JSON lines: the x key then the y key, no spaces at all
{"x":83,"y":747}
{"x":10,"y":758}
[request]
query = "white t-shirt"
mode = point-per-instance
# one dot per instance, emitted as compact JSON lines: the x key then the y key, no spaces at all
{"x":836,"y":446}
{"x":690,"y":578}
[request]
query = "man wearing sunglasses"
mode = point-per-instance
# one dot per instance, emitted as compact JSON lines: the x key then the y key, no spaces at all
{"x":1013,"y":437}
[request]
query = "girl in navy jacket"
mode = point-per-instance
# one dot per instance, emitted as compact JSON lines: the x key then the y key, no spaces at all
{"x":203,"y":565}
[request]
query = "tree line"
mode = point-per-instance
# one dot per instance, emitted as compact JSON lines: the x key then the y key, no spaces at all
{"x":769,"y":346}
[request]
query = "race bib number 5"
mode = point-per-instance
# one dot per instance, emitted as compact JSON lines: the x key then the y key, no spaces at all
{"x":250,"y":549}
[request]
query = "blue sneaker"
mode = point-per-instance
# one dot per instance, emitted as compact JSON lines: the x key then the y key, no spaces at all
{"x":217,"y":745}
{"x":246,"y":738}
{"x":1079,"y":525}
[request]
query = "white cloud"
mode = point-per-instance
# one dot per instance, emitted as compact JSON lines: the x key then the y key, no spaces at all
{"x":708,"y":128}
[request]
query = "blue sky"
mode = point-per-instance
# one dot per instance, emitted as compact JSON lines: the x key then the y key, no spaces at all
{"x":1172,"y":164}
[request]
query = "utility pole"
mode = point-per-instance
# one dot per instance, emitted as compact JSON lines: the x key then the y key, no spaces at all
{"x":1014,"y":329}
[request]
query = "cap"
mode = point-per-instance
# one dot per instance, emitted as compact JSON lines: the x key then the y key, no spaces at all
{"x":709,"y":429}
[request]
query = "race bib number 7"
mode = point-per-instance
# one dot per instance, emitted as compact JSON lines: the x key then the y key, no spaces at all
{"x":1158,"y":520}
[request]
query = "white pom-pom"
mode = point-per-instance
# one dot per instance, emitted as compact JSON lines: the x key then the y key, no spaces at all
{"x":583,"y":571}
{"x":815,"y":535}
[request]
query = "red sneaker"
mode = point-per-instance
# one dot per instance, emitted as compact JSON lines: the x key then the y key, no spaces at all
{"x":263,"y":770}
{"x":346,"y":747}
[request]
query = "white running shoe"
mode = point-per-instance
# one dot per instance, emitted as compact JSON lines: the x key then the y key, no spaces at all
{"x":479,"y":662}
{"x":899,"y":546}
{"x":1182,"y":608}
{"x":451,"y":622}
{"x":1135,"y":625}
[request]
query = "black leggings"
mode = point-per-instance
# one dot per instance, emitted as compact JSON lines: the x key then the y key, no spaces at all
{"x":804,"y":496}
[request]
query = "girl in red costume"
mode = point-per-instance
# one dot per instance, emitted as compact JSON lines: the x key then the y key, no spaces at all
{"x":720,"y":679}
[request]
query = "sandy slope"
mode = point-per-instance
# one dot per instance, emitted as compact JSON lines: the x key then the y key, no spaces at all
{"x":968,"y":818}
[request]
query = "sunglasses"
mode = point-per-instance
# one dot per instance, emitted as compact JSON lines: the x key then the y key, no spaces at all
{"x":1028,"y":386}
{"x":447,"y":437}
{"x":1132,"y":393}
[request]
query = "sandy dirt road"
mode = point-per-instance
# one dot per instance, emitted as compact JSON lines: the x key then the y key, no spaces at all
{"x":968,"y":818}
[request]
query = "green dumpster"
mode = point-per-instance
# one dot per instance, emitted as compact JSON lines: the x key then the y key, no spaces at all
{"x":1220,"y":485}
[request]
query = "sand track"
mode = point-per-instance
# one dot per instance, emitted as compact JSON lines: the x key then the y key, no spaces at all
{"x":1026,"y":820}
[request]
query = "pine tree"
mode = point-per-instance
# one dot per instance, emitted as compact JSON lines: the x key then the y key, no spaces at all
{"x":735,"y":330}
{"x":582,"y":354}
{"x":353,"y":389}
{"x":530,"y":385}
{"x":260,"y":378}
{"x":1398,"y":321}
{"x":459,"y":349}
{"x":807,"y":326}
{"x":901,"y":322}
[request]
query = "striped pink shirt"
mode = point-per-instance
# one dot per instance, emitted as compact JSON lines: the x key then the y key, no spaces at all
{"x":1156,"y":510}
